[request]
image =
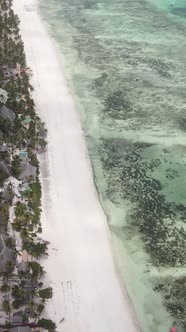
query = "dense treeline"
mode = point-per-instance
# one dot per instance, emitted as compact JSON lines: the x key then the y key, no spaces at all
{"x":22,"y":136}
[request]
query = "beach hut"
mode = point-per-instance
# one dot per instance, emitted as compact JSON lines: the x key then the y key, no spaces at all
{"x":4,"y":167}
{"x":29,"y":172}
{"x":23,"y":267}
{"x":20,"y":329}
{"x":8,"y":195}
{"x":11,"y":72}
{"x":17,"y":318}
{"x":6,"y":254}
{"x":3,"y":148}
{"x":25,"y":256}
{"x":7,"y":113}
{"x":38,"y":329}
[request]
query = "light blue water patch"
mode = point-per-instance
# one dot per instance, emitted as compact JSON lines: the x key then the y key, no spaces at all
{"x":175,"y":8}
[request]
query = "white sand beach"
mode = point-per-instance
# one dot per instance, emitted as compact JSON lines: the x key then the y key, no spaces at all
{"x":80,"y":266}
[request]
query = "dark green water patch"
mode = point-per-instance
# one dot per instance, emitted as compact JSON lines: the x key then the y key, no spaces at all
{"x":118,"y":105}
{"x":174,"y":294}
{"x":154,"y":217}
{"x":179,"y":11}
{"x":182,"y":123}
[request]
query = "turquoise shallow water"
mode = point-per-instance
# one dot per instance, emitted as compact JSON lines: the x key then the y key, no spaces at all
{"x":176,"y":10}
{"x":126,"y":64}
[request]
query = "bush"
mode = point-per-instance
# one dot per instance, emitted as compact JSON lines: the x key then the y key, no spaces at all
{"x":5,"y":288}
{"x":10,"y":243}
{"x":3,"y":176}
{"x":40,"y":308}
{"x":47,"y":324}
{"x":46,"y":293}
{"x":37,"y":270}
{"x":16,"y":170}
{"x":36,"y":249}
{"x":6,"y":306}
{"x":17,"y":303}
{"x":17,"y":292}
{"x":33,"y":159}
{"x":35,"y":201}
{"x":9,"y":267}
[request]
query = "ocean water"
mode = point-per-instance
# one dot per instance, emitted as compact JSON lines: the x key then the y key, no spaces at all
{"x":125,"y":62}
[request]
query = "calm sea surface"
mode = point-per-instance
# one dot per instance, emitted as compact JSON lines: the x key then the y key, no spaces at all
{"x":126,"y":65}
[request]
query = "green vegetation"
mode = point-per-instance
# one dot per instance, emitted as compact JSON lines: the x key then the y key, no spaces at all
{"x":47,"y":324}
{"x":45,"y":293}
{"x":6,"y":306}
{"x":40,"y":308}
{"x":5,"y":288}
{"x":36,"y":249}
{"x":23,"y":219}
{"x":35,"y":201}
{"x":33,"y":159}
{"x":9,"y":267}
{"x":4,"y":214}
{"x":19,"y":295}
{"x":3,"y":177}
{"x":17,"y":292}
{"x":16,"y":170}
{"x":36,"y":269}
{"x":22,"y":134}
{"x":10,"y":243}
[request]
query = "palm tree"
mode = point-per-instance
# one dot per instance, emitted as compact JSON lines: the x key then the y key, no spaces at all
{"x":9,"y":267}
{"x":36,"y":269}
{"x":6,"y":306}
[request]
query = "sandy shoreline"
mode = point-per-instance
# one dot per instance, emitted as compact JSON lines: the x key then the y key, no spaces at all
{"x":80,"y":267}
